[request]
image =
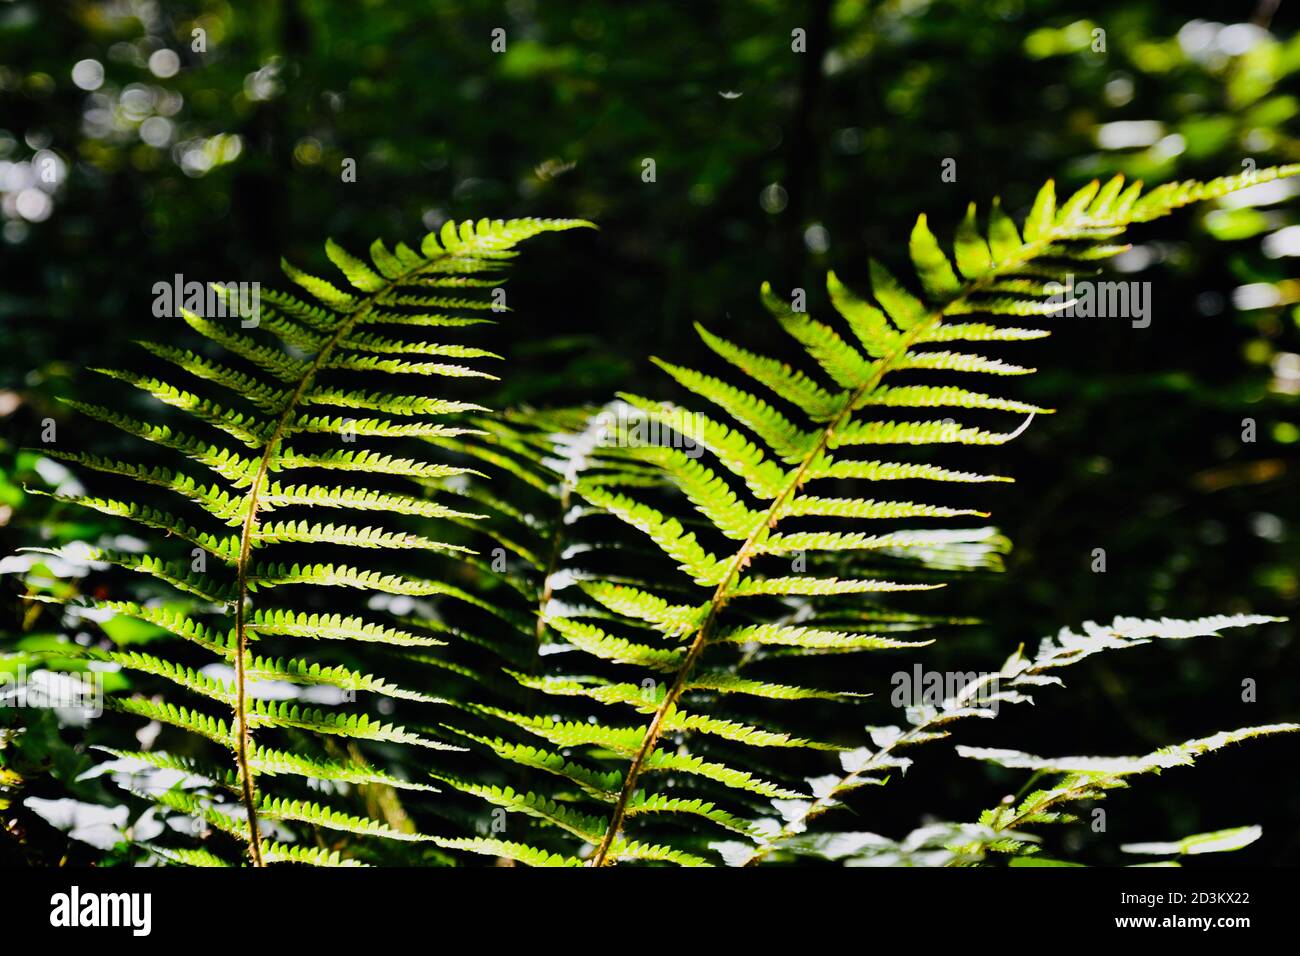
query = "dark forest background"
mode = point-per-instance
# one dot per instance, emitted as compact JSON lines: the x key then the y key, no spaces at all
{"x":770,"y":164}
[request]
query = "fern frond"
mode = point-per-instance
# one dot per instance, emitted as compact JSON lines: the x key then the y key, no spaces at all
{"x":278,"y":371}
{"x":766,"y":455}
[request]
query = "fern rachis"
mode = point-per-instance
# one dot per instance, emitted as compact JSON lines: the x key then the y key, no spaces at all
{"x":250,"y":510}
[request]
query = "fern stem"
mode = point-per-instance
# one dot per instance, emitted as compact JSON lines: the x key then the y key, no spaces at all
{"x":244,"y":739}
{"x":745,"y":554}
{"x":724,"y":590}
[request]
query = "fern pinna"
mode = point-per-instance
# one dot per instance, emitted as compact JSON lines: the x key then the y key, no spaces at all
{"x":305,"y":415}
{"x":675,"y":654}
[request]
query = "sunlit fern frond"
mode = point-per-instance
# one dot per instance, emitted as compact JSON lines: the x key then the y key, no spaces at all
{"x":294,"y":525}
